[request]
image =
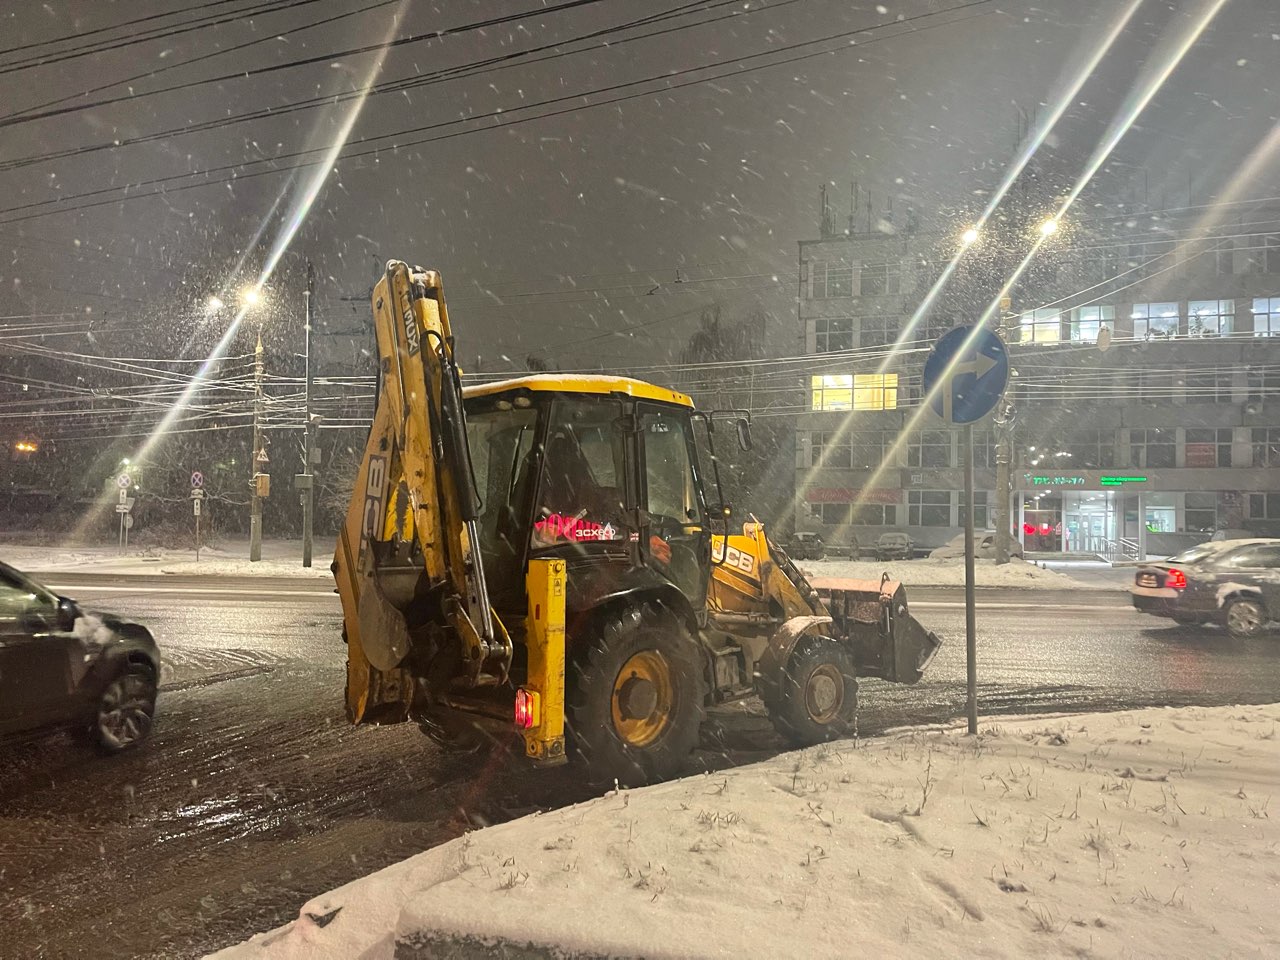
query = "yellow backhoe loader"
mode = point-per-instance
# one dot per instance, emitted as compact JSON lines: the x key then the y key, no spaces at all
{"x":545,"y":558}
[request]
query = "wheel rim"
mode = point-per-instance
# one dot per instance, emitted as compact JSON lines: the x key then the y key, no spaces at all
{"x":642,"y":698}
{"x":824,"y":693}
{"x":124,"y":712}
{"x":1244,"y":617}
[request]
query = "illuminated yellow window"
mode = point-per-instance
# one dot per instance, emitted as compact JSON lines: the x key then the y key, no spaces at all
{"x":832,"y":392}
{"x":875,"y":391}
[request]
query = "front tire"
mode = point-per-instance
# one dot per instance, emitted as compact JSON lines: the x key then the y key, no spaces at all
{"x":1245,"y":618}
{"x":635,"y":699}
{"x":816,"y":699}
{"x":124,"y":711}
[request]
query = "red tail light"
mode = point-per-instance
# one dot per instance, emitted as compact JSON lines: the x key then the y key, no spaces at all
{"x":1176,"y":579}
{"x":526,"y":709}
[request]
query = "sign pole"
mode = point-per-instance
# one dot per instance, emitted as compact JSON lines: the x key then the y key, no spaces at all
{"x":970,"y":617}
{"x":965,"y":378}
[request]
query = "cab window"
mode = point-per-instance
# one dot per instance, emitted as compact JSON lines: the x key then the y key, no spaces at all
{"x":581,"y":494}
{"x":670,"y":481}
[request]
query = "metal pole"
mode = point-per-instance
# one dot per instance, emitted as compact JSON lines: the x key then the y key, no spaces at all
{"x":255,"y":501}
{"x":197,"y":538}
{"x":308,"y":495}
{"x":970,"y":625}
{"x":1004,"y":458}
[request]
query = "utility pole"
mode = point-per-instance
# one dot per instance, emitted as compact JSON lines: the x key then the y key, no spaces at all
{"x":1004,"y":456}
{"x":257,"y":458}
{"x":307,"y":480}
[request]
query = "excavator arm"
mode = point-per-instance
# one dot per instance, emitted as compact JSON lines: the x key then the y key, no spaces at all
{"x":416,"y":613}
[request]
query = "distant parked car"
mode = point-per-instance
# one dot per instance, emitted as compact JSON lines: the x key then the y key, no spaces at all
{"x":984,"y":546}
{"x":63,"y":667}
{"x":894,"y":546}
{"x":1232,"y":534}
{"x":806,"y":546}
{"x":1232,"y":582}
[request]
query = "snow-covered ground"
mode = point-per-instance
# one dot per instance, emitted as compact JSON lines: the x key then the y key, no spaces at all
{"x":1140,"y":834}
{"x":280,"y":558}
{"x":950,"y":573}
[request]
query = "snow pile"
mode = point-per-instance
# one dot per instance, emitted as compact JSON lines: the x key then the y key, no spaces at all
{"x":1145,"y":833}
{"x":949,"y":572}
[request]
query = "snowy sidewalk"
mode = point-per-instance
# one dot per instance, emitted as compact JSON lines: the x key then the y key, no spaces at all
{"x":1137,"y":834}
{"x":949,"y":572}
{"x":280,"y":558}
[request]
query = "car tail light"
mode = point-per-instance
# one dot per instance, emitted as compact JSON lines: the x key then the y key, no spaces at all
{"x":526,"y":709}
{"x":1176,"y":579}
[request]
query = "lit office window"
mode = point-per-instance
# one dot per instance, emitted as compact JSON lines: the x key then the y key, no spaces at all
{"x":832,"y":392}
{"x":875,"y":391}
{"x":1210,"y":318}
{"x":1087,"y":322}
{"x":1266,"y":317}
{"x":1153,"y":321}
{"x":1042,"y":326}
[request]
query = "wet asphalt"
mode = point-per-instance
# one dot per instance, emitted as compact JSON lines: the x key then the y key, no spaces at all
{"x":255,"y":795}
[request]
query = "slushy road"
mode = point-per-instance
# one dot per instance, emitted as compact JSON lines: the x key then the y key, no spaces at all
{"x":255,"y":794}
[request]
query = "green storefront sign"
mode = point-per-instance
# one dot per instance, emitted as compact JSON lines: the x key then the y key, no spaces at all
{"x":1078,"y":481}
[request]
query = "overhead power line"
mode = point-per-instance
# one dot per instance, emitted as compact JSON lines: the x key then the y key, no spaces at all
{"x":502,"y":116}
{"x":192,"y":61}
{"x":120,"y":25}
{"x":520,"y":58}
{"x":303,"y":61}
{"x":200,"y":23}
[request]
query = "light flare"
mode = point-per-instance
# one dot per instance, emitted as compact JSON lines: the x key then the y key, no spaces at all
{"x":297,"y":216}
{"x":1025,"y":154}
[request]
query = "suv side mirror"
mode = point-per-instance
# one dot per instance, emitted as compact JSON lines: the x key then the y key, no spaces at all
{"x":744,"y":433}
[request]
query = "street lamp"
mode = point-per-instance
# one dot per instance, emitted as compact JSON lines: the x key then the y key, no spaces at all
{"x":251,"y":296}
{"x":1049,"y":227}
{"x":214,"y":304}
{"x":970,"y":236}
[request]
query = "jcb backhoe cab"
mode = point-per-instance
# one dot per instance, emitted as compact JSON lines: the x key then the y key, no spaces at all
{"x":538,"y":556}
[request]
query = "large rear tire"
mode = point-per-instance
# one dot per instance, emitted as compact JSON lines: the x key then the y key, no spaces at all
{"x":816,"y":699}
{"x":635,"y":697}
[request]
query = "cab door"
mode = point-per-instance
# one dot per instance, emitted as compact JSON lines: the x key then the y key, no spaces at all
{"x":678,"y":542}
{"x":34,"y":664}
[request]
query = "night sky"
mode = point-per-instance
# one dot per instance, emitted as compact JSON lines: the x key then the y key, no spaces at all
{"x":713,"y":182}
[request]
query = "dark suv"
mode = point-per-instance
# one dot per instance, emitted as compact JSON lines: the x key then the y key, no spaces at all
{"x":1232,"y":582}
{"x":63,"y":667}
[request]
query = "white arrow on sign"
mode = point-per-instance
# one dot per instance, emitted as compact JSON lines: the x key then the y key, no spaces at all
{"x":979,"y":366}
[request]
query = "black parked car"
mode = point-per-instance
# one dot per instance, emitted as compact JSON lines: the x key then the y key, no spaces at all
{"x":806,"y":546}
{"x":1232,"y":582}
{"x":63,"y":667}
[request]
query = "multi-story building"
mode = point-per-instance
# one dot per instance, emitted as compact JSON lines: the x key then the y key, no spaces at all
{"x":1146,"y":387}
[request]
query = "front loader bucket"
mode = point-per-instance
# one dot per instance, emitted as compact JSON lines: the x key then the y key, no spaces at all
{"x":872,"y":615}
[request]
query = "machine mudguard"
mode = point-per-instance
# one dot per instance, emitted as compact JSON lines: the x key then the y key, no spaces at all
{"x":772,"y":666}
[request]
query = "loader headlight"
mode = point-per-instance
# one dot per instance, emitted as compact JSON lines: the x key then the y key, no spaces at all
{"x":527,"y":709}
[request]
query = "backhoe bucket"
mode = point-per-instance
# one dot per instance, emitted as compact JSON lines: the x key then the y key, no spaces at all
{"x":888,"y":642}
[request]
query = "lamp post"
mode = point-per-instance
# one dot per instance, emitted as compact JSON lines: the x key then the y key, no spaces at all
{"x":257,"y":460}
{"x":258,"y":480}
{"x":307,"y":480}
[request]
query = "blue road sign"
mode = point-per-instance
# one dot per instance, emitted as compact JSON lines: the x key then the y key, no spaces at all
{"x":970,"y":369}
